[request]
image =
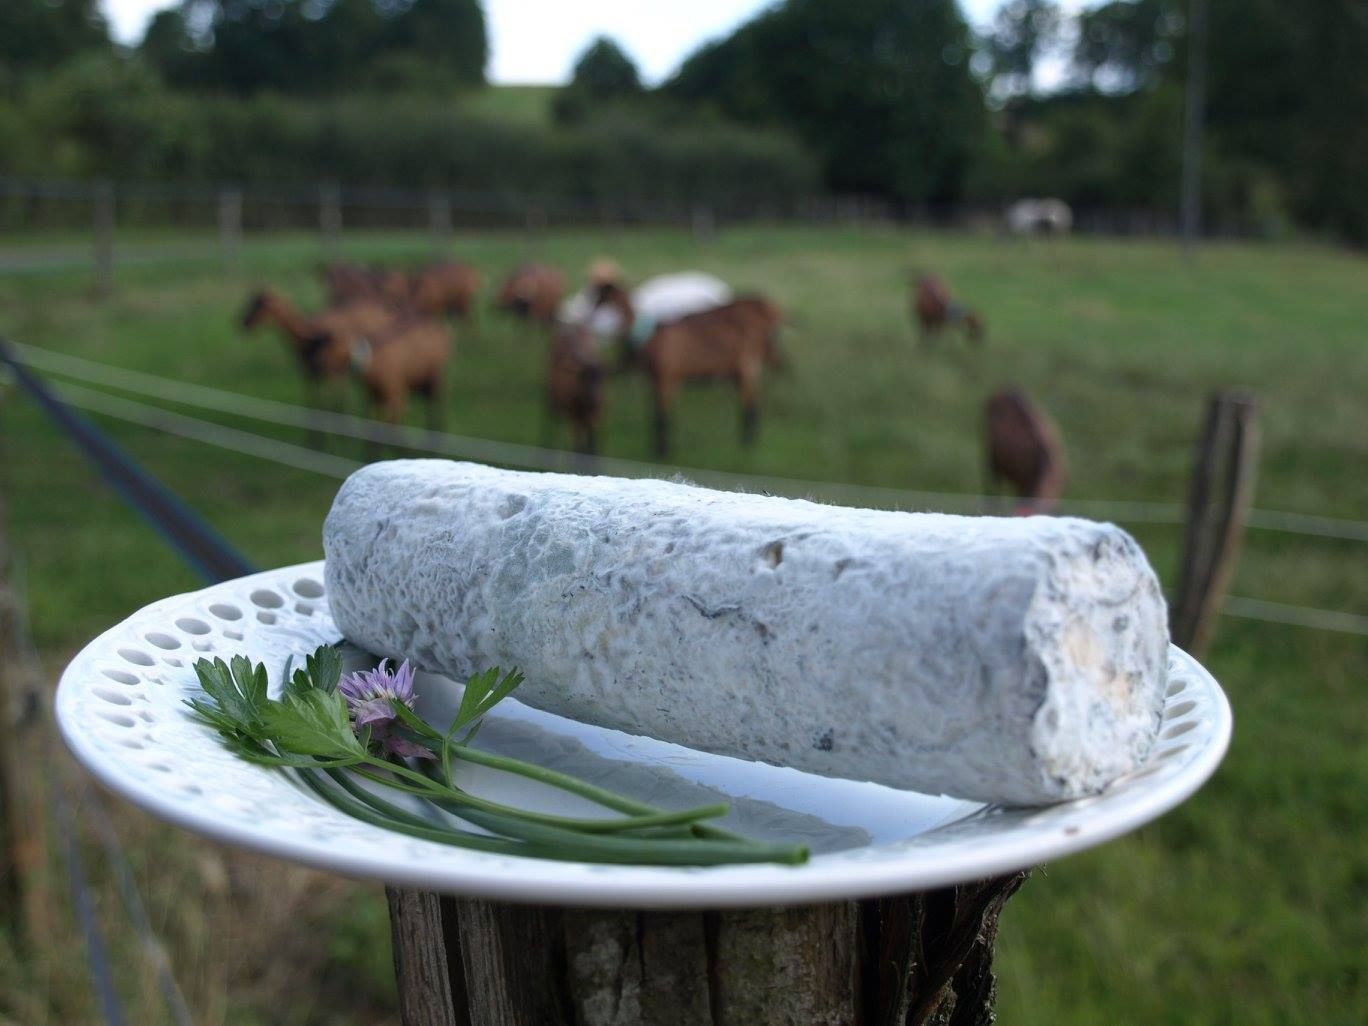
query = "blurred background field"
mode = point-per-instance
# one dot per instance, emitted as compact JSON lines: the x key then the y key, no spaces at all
{"x":1243,"y":906}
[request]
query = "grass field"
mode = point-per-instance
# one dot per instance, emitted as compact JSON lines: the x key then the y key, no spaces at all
{"x":1245,"y":906}
{"x":528,"y":105}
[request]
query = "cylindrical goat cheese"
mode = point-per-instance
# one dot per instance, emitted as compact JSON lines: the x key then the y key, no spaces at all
{"x":1012,"y":660}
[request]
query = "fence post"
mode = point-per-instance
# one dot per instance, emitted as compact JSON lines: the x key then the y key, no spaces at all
{"x":1220,"y":494}
{"x":535,"y":220}
{"x":439,"y":219}
{"x":23,"y":834}
{"x":703,"y":223}
{"x":230,"y":226}
{"x":102,"y":217}
{"x":330,"y":215}
{"x":908,"y":959}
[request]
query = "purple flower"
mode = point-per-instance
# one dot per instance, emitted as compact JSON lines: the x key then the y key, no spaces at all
{"x":371,"y":695}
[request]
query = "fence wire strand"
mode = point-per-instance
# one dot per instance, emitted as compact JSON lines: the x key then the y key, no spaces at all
{"x":514,"y":454}
{"x":298,"y":457}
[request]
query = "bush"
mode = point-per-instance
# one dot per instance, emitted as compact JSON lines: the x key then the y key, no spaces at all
{"x":110,"y":117}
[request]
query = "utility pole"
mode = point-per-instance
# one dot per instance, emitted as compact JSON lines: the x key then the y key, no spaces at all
{"x":1193,"y":125}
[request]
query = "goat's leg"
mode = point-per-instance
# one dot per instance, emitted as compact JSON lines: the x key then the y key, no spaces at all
{"x":313,"y":437}
{"x":436,"y":407}
{"x":746,"y":382}
{"x":395,"y":412}
{"x":750,"y":423}
{"x":370,"y":444}
{"x":337,"y":403}
{"x":992,"y":488}
{"x":547,"y":431}
{"x":660,"y":425}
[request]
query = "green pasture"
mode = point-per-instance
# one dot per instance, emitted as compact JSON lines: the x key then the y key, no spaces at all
{"x":512,"y":104}
{"x":1245,"y":906}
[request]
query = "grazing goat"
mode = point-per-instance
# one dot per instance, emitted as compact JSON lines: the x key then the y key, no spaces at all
{"x":449,"y":287}
{"x":733,"y":341}
{"x":633,"y":317}
{"x":310,"y":337}
{"x":1039,"y":217}
{"x":934,"y":308}
{"x":532,"y":292}
{"x":1024,"y":450}
{"x":408,"y":356}
{"x":574,"y":386}
{"x":348,"y":282}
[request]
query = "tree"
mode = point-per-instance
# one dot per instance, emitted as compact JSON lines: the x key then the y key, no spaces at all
{"x":1023,"y":32}
{"x":1123,"y":45}
{"x":881,"y":89}
{"x":38,"y":35}
{"x":604,"y":74}
{"x":318,"y":46}
{"x":448,"y":35}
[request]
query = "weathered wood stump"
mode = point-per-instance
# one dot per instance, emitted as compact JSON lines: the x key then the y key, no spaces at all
{"x":907,"y":960}
{"x":1219,"y":497}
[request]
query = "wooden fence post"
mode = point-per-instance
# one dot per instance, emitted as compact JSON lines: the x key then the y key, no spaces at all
{"x":330,"y":216}
{"x":230,"y":226}
{"x":23,"y":833}
{"x":703,"y":223}
{"x":909,"y":960}
{"x":102,"y":221}
{"x":1221,"y":492}
{"x":535,"y":220}
{"x":439,"y":219}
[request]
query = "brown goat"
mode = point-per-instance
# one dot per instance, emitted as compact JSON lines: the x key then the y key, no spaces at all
{"x":311,"y":336}
{"x":349,"y":282}
{"x":574,"y":386}
{"x":933,"y":308}
{"x":449,"y":287}
{"x":533,"y":292}
{"x":733,"y":341}
{"x":1024,"y":450}
{"x":408,"y":356}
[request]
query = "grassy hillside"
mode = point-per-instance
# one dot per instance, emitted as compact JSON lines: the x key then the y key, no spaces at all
{"x":513,"y":104}
{"x":1243,"y":906}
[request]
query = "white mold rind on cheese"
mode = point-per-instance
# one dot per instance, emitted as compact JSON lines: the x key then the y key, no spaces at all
{"x":1014,"y":660}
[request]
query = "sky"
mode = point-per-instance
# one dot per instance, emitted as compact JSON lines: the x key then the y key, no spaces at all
{"x":538,"y":40}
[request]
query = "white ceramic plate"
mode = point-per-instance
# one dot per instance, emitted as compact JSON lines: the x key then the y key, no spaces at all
{"x":120,"y":708}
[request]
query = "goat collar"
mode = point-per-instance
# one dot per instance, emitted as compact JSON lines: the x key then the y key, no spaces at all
{"x":362,"y":352}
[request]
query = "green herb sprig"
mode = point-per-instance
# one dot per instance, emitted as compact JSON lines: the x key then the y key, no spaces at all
{"x":334,"y":739}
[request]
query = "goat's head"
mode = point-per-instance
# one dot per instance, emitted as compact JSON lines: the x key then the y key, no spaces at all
{"x":973,"y":326}
{"x":514,"y":295}
{"x":610,"y":293}
{"x":319,"y":353}
{"x":255,"y":309}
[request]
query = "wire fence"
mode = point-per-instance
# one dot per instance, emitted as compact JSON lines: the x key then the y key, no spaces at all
{"x":29,"y":206}
{"x":216,"y":559}
{"x":530,"y":457}
{"x":298,"y":457}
